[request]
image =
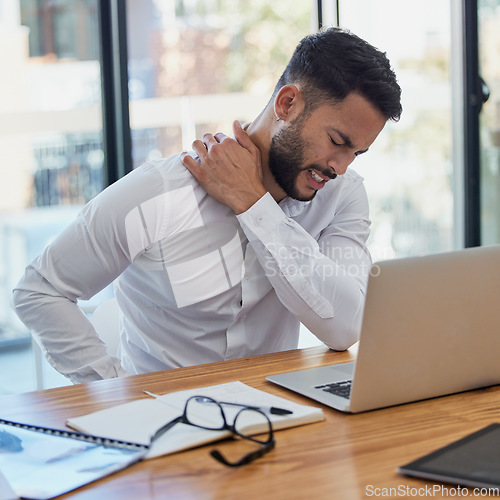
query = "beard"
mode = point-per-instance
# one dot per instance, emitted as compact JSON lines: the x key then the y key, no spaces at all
{"x":286,"y":160}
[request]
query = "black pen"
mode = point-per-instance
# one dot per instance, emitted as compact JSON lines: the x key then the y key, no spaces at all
{"x":273,"y":410}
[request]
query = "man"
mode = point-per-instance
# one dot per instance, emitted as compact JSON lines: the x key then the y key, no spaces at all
{"x":221,"y":254}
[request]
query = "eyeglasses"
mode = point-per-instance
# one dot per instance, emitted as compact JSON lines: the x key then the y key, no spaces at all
{"x":207,"y":413}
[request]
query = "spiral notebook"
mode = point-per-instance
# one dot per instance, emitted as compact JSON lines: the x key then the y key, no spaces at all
{"x":39,"y":463}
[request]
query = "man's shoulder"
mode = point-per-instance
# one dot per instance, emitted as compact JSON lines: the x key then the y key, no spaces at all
{"x":162,"y":175}
{"x":170,"y":167}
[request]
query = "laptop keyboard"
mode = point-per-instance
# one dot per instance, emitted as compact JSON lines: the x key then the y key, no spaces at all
{"x":342,"y":389}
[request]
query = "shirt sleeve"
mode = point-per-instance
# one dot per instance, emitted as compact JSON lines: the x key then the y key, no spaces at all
{"x":322,"y":281}
{"x":87,"y":256}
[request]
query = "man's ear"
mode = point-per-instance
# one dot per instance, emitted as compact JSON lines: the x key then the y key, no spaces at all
{"x":288,"y":103}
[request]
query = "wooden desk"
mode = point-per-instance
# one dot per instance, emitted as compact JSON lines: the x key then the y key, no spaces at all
{"x":344,"y":457}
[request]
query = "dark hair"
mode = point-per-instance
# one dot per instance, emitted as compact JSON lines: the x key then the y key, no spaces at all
{"x":334,"y":62}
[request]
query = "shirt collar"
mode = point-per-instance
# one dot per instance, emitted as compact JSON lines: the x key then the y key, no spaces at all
{"x":291,"y":207}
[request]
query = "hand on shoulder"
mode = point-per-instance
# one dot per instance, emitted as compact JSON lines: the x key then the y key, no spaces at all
{"x":228,"y":169}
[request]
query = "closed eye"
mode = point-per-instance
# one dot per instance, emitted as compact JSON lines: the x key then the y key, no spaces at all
{"x":347,"y":142}
{"x":336,"y":143}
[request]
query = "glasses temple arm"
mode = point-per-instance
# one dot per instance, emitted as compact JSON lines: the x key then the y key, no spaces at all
{"x":164,"y":429}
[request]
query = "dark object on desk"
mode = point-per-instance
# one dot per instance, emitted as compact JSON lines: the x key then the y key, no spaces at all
{"x":471,"y":461}
{"x":279,"y":411}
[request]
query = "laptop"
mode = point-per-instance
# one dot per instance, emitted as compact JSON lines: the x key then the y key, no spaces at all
{"x":431,"y":327}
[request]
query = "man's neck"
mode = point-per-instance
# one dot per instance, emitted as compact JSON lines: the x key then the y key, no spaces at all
{"x":260,"y":131}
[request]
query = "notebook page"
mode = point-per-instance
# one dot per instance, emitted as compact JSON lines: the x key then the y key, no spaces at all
{"x":137,"y":421}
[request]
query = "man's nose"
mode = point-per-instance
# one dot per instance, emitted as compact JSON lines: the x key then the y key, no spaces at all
{"x":339,"y":164}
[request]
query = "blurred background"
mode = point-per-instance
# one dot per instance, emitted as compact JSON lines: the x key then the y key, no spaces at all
{"x":92,"y":89}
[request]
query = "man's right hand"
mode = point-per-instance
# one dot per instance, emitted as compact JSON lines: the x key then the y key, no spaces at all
{"x":228,"y":169}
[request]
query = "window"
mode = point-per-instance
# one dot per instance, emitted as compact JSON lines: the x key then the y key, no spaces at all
{"x":409,"y":172}
{"x":62,"y":29}
{"x":50,"y":140}
{"x":195,"y":66}
{"x":489,"y":47}
{"x":191,"y":65}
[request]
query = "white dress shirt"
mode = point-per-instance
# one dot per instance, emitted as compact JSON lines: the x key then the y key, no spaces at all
{"x":195,"y":283}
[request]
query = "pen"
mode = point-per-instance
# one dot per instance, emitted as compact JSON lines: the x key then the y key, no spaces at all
{"x":273,"y":410}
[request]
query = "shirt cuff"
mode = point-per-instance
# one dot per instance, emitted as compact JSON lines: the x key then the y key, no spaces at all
{"x":261,"y":218}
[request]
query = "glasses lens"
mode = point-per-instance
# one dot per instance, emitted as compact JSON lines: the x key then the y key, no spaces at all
{"x":254,"y":425}
{"x":205,"y":412}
